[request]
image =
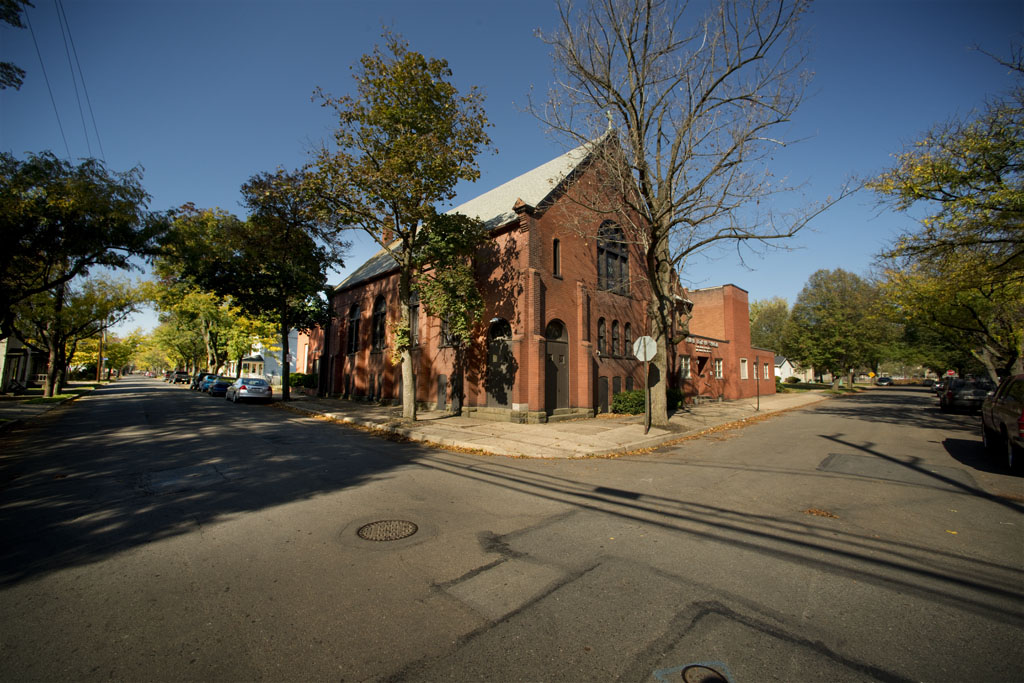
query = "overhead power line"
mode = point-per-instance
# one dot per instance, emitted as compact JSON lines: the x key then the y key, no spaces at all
{"x":47,"y":80}
{"x":81,"y":75}
{"x":71,"y":68}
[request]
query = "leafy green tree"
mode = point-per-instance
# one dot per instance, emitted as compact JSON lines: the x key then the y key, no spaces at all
{"x":832,"y":326}
{"x":692,"y":106}
{"x":448,"y":286}
{"x":273,"y":264}
{"x":974,"y":318}
{"x":59,"y":220}
{"x":12,"y":76}
{"x":767,"y":319}
{"x":179,"y":342}
{"x":962,"y":268}
{"x":402,"y":144}
{"x":58,"y":319}
{"x":119,"y":351}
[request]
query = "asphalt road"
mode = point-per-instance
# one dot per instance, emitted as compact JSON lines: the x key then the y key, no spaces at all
{"x":153,"y":533}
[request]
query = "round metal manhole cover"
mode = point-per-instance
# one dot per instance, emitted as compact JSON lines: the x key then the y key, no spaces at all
{"x":387,"y":530}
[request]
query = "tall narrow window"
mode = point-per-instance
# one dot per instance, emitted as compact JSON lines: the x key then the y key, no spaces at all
{"x":378,"y":323}
{"x":684,"y":368}
{"x":766,"y":371}
{"x":556,"y":258}
{"x":601,"y":336}
{"x":743,"y":368}
{"x":353,"y":329}
{"x":628,"y":350}
{"x":719,"y":372}
{"x":446,"y":334}
{"x":615,"y":338}
{"x":612,"y":259}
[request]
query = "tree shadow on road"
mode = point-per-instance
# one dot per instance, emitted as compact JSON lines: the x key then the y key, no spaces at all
{"x":79,"y":485}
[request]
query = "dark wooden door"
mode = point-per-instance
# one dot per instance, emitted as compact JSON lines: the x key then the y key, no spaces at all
{"x":556,"y":376}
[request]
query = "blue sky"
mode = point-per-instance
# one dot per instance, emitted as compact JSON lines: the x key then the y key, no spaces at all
{"x":203,"y":95}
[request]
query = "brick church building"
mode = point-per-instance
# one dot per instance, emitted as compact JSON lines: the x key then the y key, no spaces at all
{"x":566,"y":297}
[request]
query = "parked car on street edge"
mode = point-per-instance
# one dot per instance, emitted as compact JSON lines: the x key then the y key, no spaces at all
{"x":208,"y":382}
{"x":198,"y":379}
{"x":884,"y":381}
{"x":181,"y":377}
{"x":254,"y":388}
{"x":967,"y":392}
{"x":219,"y":386}
{"x":1002,"y":421}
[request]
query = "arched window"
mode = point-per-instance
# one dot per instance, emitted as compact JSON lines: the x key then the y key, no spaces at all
{"x":556,"y":258}
{"x":555,"y":331}
{"x":601,"y":336}
{"x":378,"y":325}
{"x":628,"y":350}
{"x":612,"y":259}
{"x":353,"y":329}
{"x":615,"y":338}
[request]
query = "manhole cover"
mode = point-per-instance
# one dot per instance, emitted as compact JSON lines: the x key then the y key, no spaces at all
{"x":387,"y":530}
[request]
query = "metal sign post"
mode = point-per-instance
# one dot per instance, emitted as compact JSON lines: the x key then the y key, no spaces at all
{"x":644,"y":348}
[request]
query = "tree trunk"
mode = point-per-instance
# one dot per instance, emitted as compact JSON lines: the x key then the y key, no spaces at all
{"x":54,"y":342}
{"x":658,"y":261}
{"x":285,"y":365}
{"x":408,"y":371}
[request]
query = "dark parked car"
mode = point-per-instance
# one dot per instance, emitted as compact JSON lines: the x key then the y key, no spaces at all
{"x":966,"y":392}
{"x":197,"y":381}
{"x":181,"y":377}
{"x":246,"y":388}
{"x":1002,"y":421}
{"x":219,"y":387}
{"x":208,"y":382}
{"x":884,"y":381}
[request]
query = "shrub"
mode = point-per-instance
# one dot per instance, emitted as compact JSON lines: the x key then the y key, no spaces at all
{"x":628,"y":402}
{"x":793,"y":380}
{"x":301,"y":379}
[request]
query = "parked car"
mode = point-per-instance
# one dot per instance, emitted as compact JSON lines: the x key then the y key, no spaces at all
{"x":219,"y":386}
{"x":254,"y":388}
{"x":1002,"y":421}
{"x":965,"y":392}
{"x":181,"y":377}
{"x":884,"y":381}
{"x":168,"y":375}
{"x":198,"y":379}
{"x":208,"y":382}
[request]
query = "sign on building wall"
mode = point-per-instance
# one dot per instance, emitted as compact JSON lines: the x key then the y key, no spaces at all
{"x":702,"y":344}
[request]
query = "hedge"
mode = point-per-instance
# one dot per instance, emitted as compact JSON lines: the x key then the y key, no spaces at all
{"x":299,"y":379}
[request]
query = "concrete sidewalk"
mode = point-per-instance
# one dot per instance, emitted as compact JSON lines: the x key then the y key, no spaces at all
{"x":594,"y":437}
{"x":15,"y":410}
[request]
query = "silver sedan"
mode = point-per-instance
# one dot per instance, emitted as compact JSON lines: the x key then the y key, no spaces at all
{"x":249,"y":388}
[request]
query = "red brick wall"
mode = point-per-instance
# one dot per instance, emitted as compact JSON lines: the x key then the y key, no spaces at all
{"x":518,"y":280}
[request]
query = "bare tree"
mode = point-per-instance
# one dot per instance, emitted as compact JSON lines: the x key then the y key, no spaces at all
{"x":690,"y":105}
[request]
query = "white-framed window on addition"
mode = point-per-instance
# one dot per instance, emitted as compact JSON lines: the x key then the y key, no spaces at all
{"x":766,"y":375}
{"x":743,"y":369}
{"x":719,"y":373}
{"x":684,"y":368}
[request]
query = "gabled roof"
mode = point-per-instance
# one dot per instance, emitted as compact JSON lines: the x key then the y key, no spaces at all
{"x":495,"y":207}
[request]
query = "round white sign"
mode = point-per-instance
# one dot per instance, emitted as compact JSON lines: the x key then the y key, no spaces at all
{"x":645,"y":347}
